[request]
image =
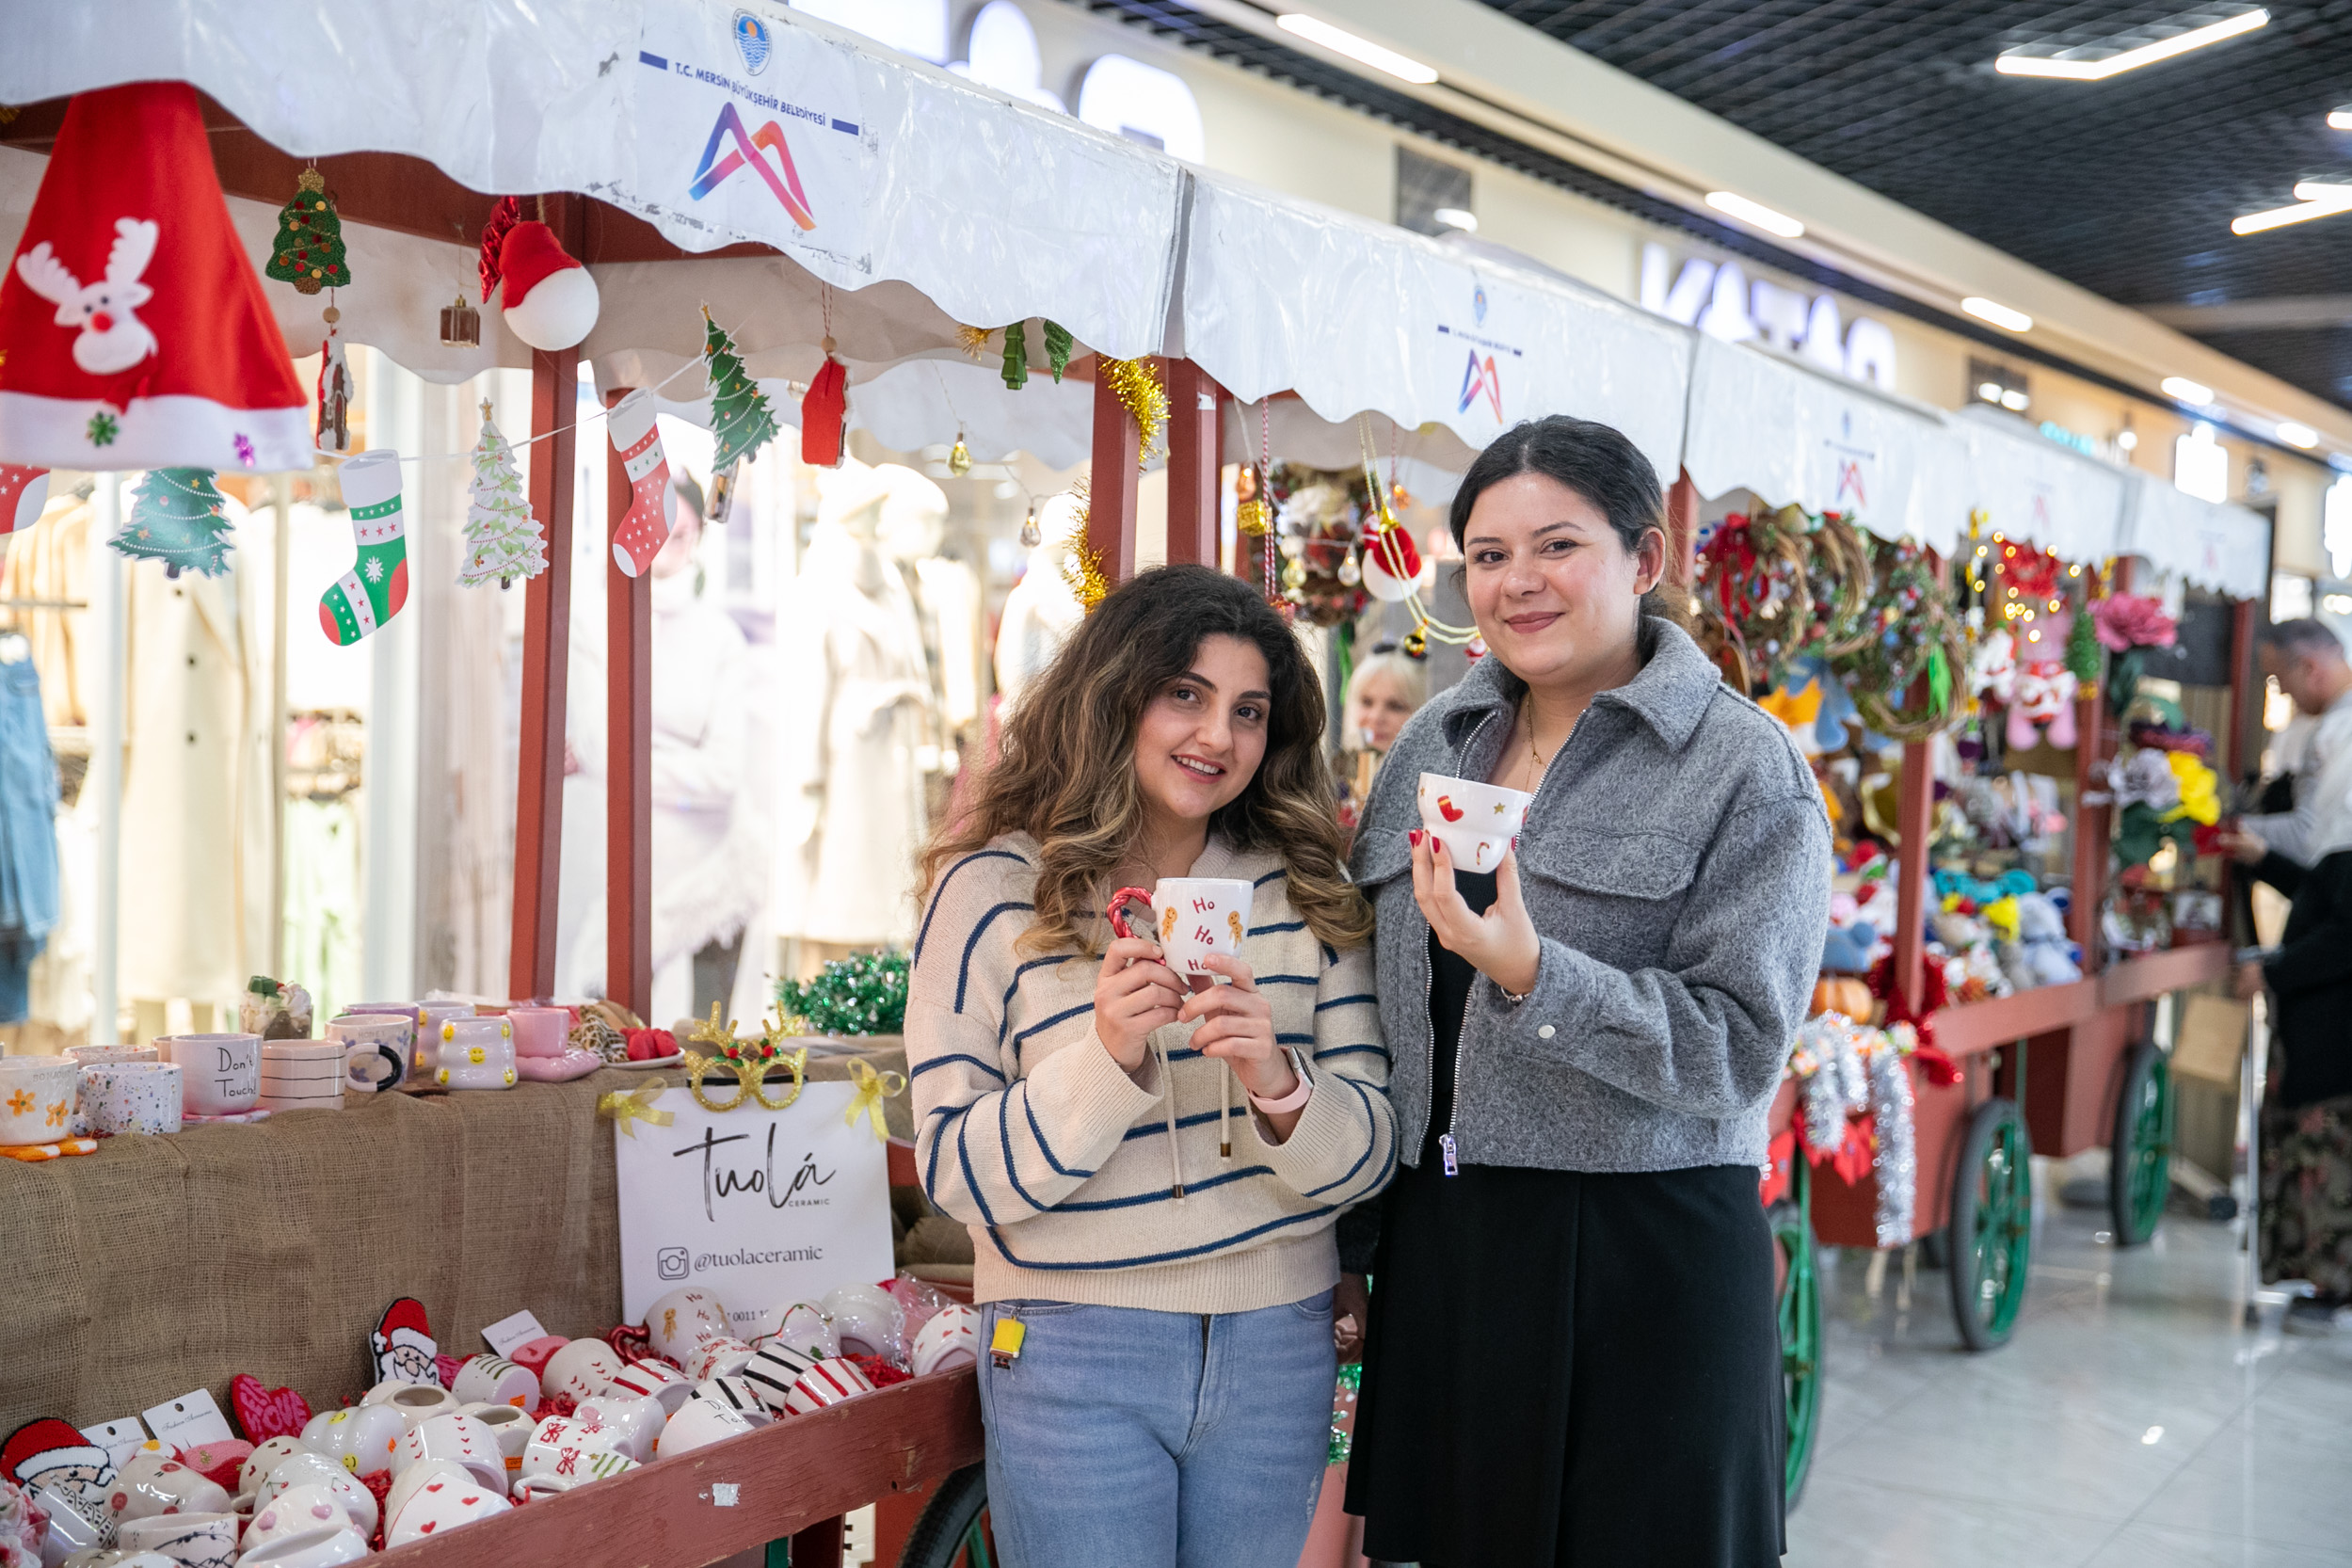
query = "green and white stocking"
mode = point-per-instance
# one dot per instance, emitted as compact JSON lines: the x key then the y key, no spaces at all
{"x":373,"y":591}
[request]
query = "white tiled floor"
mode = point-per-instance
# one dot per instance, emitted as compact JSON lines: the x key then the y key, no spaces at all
{"x":2131,"y":1421}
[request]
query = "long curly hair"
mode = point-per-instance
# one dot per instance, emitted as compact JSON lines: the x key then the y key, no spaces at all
{"x":1064,"y":772}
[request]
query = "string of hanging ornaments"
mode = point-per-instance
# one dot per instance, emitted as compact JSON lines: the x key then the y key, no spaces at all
{"x":1392,"y":567}
{"x":1775,"y":587}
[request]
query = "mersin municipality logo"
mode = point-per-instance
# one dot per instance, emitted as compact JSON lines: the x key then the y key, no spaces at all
{"x":751,"y":150}
{"x":751,"y":41}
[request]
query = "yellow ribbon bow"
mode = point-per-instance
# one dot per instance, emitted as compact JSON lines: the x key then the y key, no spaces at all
{"x":872,"y":1088}
{"x":636,"y":1106}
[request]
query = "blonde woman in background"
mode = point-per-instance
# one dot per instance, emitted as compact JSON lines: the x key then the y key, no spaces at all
{"x":1384,"y":691}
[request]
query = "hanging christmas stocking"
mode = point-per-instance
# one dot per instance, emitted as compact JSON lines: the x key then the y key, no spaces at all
{"x":373,"y":591}
{"x":639,"y":536}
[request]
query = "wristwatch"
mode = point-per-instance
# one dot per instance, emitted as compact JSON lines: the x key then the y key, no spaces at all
{"x":1296,"y":1096}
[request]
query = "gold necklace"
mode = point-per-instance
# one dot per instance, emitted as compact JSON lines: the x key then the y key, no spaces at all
{"x":1527,"y":716}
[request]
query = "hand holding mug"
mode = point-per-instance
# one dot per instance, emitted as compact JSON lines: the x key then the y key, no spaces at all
{"x":1239,"y":1027}
{"x":1134,"y":994}
{"x":1502,"y":943}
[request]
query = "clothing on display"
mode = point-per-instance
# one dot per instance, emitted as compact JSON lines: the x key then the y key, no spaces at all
{"x":1041,"y":610}
{"x":48,"y":565}
{"x":322,"y":931}
{"x":28,"y":840}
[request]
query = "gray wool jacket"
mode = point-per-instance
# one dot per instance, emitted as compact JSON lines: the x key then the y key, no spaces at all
{"x":1676,"y":862}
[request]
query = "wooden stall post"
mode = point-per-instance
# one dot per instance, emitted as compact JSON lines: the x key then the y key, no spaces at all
{"x":629,"y":761}
{"x":1111,"y":506}
{"x":546,"y":653}
{"x":1681,"y":532}
{"x":1195,"y":421}
{"x":1915,"y":811}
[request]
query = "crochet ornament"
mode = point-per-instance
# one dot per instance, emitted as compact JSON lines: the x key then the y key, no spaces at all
{"x":309,"y":252}
{"x":742,"y":421}
{"x":547,"y":297}
{"x":639,"y":535}
{"x":134,"y":333}
{"x":504,"y":541}
{"x":1917,"y":640}
{"x":176,"y":519}
{"x":373,"y":591}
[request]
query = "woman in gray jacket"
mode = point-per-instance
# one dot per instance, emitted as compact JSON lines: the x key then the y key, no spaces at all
{"x":1572,"y":1357}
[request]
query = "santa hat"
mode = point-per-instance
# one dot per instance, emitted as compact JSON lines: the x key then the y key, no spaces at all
{"x":134,"y":333}
{"x":549,"y":298}
{"x":39,"y":1447}
{"x":24,"y":492}
{"x":402,"y":1327}
{"x":1391,"y":563}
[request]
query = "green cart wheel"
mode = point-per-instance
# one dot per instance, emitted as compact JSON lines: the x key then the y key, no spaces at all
{"x":2139,"y":1155}
{"x":953,"y":1530}
{"x":1801,"y":1327}
{"x":1992,"y":1231}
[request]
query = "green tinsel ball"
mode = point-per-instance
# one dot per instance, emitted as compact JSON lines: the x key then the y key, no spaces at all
{"x":862,"y":994}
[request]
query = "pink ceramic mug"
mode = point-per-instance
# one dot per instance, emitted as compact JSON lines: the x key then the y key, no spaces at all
{"x":541,"y":1030}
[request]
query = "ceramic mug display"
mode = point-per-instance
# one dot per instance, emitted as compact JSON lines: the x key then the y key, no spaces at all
{"x":37,"y":1096}
{"x":266,"y":1458}
{"x":510,"y":1426}
{"x":190,"y":1540}
{"x":377,"y":1047}
{"x":1475,"y":821}
{"x":581,"y":1370}
{"x":132,"y":1096}
{"x":634,"y":1421}
{"x":316,"y":1469}
{"x":220,"y":1074}
{"x":461,"y":1439}
{"x":414,"y":1402}
{"x":683,"y":1319}
{"x":541,"y":1030}
{"x":652,"y":1380}
{"x":430,"y":1016}
{"x":476,"y":1054}
{"x":495,"y":1380}
{"x":404,"y":1010}
{"x":951,"y":1338}
{"x":302,"y":1075}
{"x":325,"y":1548}
{"x":1192,"y":918}
{"x":698,"y":1424}
{"x":362,"y":1439}
{"x":152,"y":1483}
{"x":773,"y":1370}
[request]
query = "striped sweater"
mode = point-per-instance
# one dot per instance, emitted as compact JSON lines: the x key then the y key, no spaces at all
{"x":1066,"y":1169}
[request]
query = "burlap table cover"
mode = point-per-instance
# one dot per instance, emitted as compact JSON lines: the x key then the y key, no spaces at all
{"x":161,"y":1265}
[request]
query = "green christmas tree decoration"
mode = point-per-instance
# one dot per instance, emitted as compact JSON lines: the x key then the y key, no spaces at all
{"x":176,"y":519}
{"x":2082,"y":646}
{"x":308,"y":250}
{"x":1017,"y":357}
{"x":504,"y":541}
{"x":741,"y":418}
{"x":1057,"y":349}
{"x":862,"y":994}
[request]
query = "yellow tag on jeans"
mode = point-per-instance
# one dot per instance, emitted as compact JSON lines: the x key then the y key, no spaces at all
{"x":1005,"y":1345}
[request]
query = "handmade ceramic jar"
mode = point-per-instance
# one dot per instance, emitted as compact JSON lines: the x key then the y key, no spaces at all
{"x":476,"y":1054}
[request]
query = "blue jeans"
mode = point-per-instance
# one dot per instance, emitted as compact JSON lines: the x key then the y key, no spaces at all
{"x":1123,"y":1438}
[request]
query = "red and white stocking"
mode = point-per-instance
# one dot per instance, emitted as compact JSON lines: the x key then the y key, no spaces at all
{"x":640,"y":533}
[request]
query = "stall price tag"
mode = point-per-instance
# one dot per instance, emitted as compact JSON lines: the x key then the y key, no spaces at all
{"x":761,"y":1207}
{"x":191,"y":1420}
{"x":121,"y":1439}
{"x":508,"y":1335}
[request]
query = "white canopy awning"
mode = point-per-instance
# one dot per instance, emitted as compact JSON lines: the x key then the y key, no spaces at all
{"x":2030,"y":488}
{"x":1356,"y":316}
{"x":2221,"y":547}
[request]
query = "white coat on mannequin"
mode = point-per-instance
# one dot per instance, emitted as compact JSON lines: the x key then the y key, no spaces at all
{"x":1041,"y":612}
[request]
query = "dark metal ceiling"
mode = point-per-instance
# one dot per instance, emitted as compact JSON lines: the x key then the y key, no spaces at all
{"x":2126,"y":186}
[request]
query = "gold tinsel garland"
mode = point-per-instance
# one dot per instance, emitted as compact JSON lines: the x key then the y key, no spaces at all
{"x":1082,"y":568}
{"x":1134,"y":384}
{"x":971,"y":339}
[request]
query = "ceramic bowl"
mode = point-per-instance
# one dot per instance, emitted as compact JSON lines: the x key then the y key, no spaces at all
{"x":1475,"y":821}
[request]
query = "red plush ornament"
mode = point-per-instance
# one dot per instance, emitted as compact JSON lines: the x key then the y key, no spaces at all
{"x":825,"y":414}
{"x":134,"y":333}
{"x":1391,"y":563}
{"x":266,"y":1412}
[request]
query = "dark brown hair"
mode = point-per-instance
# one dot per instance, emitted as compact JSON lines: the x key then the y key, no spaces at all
{"x":1598,"y":463}
{"x":1064,"y":772}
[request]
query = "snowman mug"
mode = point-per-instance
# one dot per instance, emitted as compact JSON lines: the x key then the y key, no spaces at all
{"x":1192,"y":918}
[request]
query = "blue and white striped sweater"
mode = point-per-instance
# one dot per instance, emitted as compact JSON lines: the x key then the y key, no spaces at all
{"x":1066,"y":1169}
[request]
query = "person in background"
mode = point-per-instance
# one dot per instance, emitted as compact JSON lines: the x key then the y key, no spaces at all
{"x":1383,"y":691}
{"x":2307,"y":1116}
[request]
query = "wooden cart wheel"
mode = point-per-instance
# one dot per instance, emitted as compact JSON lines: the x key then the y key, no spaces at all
{"x":2139,"y":1154}
{"x":953,"y":1530}
{"x":1992,"y":1231}
{"x":1800,"y":1326}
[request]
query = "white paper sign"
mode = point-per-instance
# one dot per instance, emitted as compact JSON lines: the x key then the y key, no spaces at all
{"x":121,"y":1439}
{"x":761,"y":1207}
{"x":751,"y":130}
{"x":508,"y":1335}
{"x":191,"y":1420}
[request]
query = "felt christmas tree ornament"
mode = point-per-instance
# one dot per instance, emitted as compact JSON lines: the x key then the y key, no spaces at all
{"x":134,"y":333}
{"x":309,"y":252}
{"x":742,"y":421}
{"x":637,"y":538}
{"x":549,"y":299}
{"x":176,"y":519}
{"x":24,"y":492}
{"x":503,"y":540}
{"x":373,"y":591}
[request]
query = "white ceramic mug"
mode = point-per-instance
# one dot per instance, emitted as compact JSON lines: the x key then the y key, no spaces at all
{"x":421,"y":1475}
{"x":325,"y":1548}
{"x":1475,"y":821}
{"x":592,"y":1467}
{"x":635,"y":1421}
{"x":511,"y":1426}
{"x":683,"y":1319}
{"x":561,"y":1444}
{"x":716,"y":1357}
{"x":377,"y":1047}
{"x":495,"y":1380}
{"x":773,"y":1369}
{"x":459,"y":1438}
{"x":316,"y":1469}
{"x":868,"y":1319}
{"x":414,"y":1402}
{"x":220,"y":1074}
{"x":267,"y":1457}
{"x":652,"y":1380}
{"x":698,"y":1424}
{"x":1192,"y":918}
{"x":740,"y":1392}
{"x":302,"y":1075}
{"x":950,"y":1339}
{"x":829,"y":1382}
{"x":362,"y":1439}
{"x":132,"y":1096}
{"x":190,"y":1540}
{"x":476,"y":1054}
{"x":37,"y":1096}
{"x":294,"y":1512}
{"x":580,"y":1370}
{"x":152,"y":1483}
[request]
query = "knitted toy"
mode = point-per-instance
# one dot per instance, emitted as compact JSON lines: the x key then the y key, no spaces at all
{"x":2035,"y":951}
{"x":2041,"y":693}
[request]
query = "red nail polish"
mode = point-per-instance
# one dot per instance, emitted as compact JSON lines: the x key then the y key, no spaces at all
{"x":1413,"y":837}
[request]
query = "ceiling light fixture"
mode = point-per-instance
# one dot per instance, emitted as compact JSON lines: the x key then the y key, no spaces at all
{"x":2186,"y":391}
{"x":2297,"y":434}
{"x":1341,"y":41}
{"x":1997,"y":313}
{"x":2339,"y":120}
{"x":1457,"y":218}
{"x":1756,"y":213}
{"x":2130,"y":59}
{"x":2316,"y":201}
{"x":2014,"y":401}
{"x":1988,"y":390}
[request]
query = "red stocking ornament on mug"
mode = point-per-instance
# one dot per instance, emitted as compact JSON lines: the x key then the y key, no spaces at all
{"x":635,"y":436}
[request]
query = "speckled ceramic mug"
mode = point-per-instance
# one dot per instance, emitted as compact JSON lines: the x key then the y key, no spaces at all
{"x":132,"y":1096}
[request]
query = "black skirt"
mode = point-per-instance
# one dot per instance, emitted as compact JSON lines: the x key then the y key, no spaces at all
{"x":1566,"y":1368}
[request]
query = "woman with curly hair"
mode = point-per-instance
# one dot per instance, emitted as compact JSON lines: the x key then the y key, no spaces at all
{"x":1155,"y":1265}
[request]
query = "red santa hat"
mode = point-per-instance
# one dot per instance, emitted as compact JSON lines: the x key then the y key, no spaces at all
{"x":1391,"y":563}
{"x":39,"y":1447}
{"x":549,"y":299}
{"x":132,"y":330}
